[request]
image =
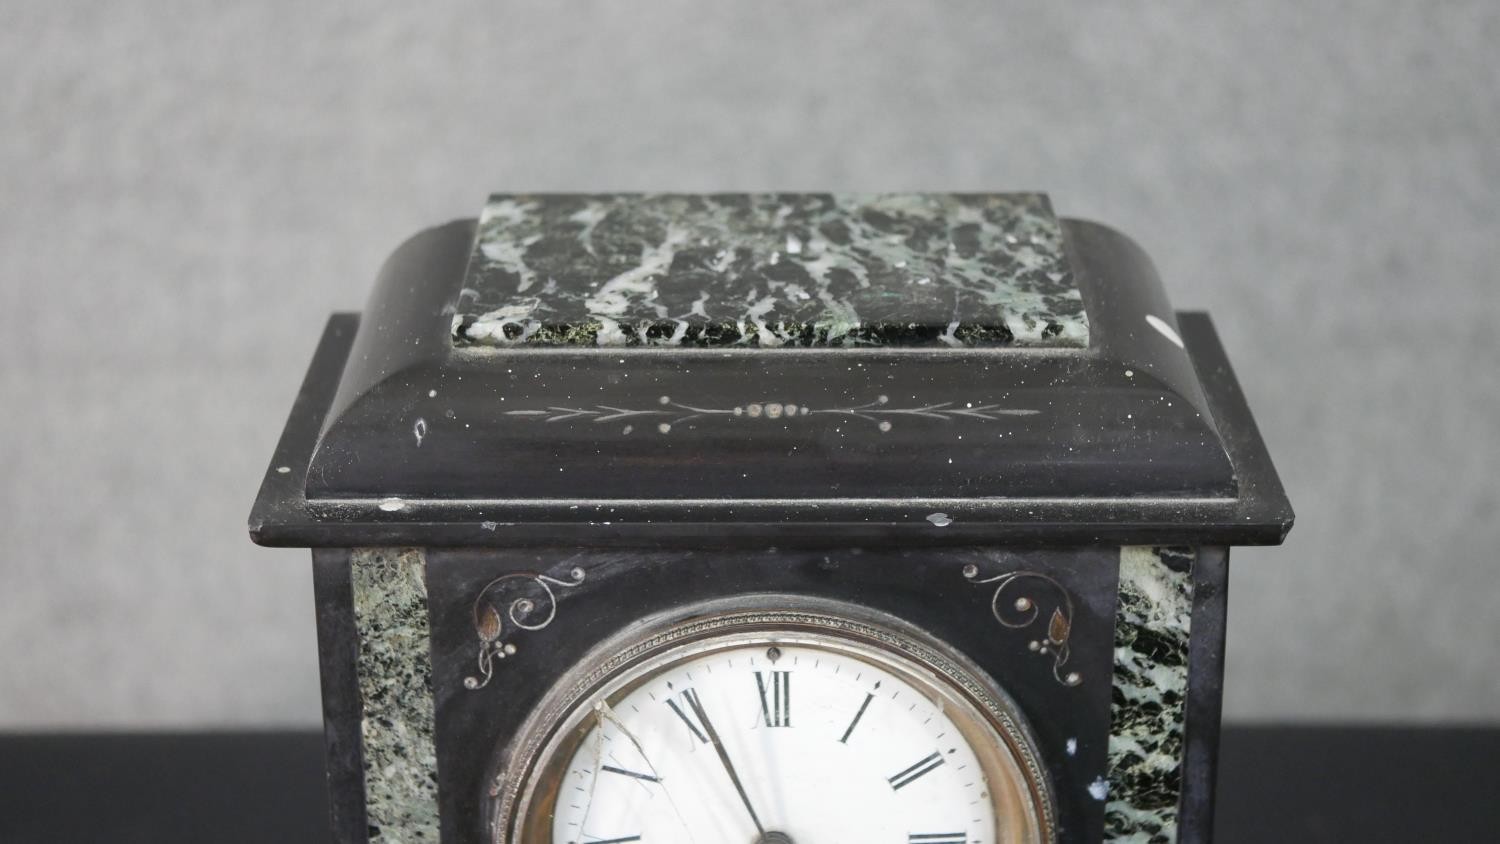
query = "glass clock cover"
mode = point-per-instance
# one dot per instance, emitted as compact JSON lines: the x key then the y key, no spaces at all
{"x":770,"y":729}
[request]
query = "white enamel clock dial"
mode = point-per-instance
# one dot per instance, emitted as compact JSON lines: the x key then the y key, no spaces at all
{"x":770,"y":739}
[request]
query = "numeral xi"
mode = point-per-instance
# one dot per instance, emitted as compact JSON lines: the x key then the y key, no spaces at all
{"x":689,"y":695}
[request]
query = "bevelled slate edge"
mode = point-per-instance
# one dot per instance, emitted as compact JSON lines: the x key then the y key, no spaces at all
{"x":283,"y":515}
{"x":395,"y":684}
{"x":1203,"y":710}
{"x":770,"y":270}
{"x":1152,"y":626}
{"x":338,"y":657}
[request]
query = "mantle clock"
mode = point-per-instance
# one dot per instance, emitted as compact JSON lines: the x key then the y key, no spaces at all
{"x":770,"y":518}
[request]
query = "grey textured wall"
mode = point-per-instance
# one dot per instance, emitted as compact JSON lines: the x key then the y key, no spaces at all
{"x":186,"y":191}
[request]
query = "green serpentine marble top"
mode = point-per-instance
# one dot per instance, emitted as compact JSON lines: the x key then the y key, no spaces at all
{"x":770,"y":270}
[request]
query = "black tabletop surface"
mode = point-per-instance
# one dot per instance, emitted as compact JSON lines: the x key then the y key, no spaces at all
{"x":1276,"y":784}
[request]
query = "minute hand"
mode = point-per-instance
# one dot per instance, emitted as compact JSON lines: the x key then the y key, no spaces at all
{"x":713,"y":737}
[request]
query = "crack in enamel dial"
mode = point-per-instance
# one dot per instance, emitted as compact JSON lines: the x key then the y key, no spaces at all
{"x":774,"y":727}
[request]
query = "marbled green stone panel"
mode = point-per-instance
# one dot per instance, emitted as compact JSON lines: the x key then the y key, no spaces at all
{"x":394,"y":669}
{"x":770,"y":270}
{"x":1152,"y":626}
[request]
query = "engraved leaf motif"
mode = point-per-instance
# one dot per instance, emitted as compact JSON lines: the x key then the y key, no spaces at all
{"x":489,"y":623}
{"x":1058,"y":628}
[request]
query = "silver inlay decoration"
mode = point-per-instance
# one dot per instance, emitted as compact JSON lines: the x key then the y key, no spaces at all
{"x":1015,"y":606}
{"x":527,"y":601}
{"x":879,"y":412}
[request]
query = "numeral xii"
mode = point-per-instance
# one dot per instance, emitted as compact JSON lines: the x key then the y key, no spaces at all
{"x":775,"y":697}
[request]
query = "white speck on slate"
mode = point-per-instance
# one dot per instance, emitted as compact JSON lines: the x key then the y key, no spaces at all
{"x":1165,"y":330}
{"x":1098,"y":789}
{"x":489,"y":525}
{"x":1072,"y":747}
{"x":940,"y":519}
{"x":420,"y":430}
{"x":392,"y":504}
{"x":282,"y":470}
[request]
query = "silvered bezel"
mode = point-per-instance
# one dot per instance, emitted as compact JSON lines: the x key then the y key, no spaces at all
{"x":520,"y":780}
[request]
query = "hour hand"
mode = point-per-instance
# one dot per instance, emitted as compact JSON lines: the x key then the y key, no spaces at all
{"x":713,"y":738}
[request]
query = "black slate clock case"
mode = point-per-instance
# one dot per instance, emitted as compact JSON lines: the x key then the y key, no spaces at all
{"x":904,"y":583}
{"x":401,"y":438}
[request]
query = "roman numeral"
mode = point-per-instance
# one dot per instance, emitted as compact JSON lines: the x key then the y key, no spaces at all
{"x":917,"y":771}
{"x":858,"y":715}
{"x":775,"y":698}
{"x":692,"y":697}
{"x":936,"y":838}
{"x":624,"y":773}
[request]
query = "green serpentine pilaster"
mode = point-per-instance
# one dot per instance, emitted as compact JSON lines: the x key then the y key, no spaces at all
{"x":1152,"y":625}
{"x":394,"y":669}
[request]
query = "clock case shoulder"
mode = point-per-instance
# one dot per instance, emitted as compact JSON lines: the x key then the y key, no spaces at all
{"x":399,"y":438}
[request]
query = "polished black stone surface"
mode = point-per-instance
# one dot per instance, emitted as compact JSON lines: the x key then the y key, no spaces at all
{"x":770,"y":270}
{"x":1308,"y":784}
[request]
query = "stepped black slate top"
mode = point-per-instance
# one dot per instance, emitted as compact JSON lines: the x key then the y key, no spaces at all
{"x":1124,"y":426}
{"x":770,"y":270}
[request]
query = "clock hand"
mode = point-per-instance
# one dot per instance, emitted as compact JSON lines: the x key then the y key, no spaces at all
{"x":713,"y":738}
